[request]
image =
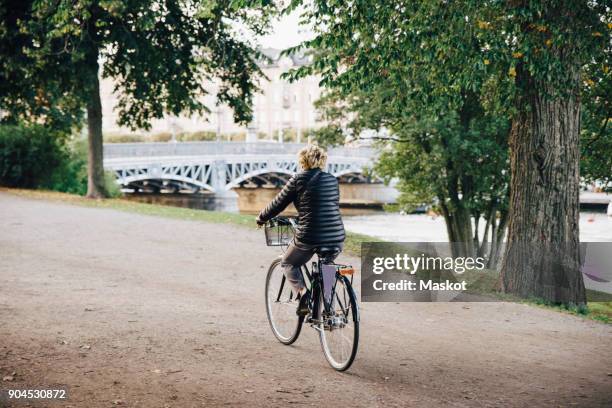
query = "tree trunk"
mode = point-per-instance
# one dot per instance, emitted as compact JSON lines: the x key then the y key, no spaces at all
{"x":542,"y":258}
{"x":459,"y":230}
{"x":95,"y":171}
{"x":498,"y":232}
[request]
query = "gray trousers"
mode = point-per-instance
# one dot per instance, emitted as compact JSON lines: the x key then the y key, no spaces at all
{"x":297,"y":255}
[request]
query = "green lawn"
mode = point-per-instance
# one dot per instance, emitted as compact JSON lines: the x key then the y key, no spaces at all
{"x":352,"y":244}
{"x":599,"y":307}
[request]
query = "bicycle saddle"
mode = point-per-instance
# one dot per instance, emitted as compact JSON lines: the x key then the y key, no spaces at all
{"x":327,"y":251}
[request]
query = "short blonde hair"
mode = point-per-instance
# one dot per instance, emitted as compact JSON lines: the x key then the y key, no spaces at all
{"x":312,"y":157}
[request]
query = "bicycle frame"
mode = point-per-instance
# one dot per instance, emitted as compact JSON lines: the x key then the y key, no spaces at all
{"x":314,"y":280}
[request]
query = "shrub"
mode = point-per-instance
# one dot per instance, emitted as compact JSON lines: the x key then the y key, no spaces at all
{"x":235,"y":137}
{"x":203,"y":135}
{"x":160,"y":137}
{"x":112,"y":188}
{"x":71,"y":175}
{"x":33,"y":156}
{"x":291,"y":135}
{"x":29,"y":155}
{"x":124,"y":138}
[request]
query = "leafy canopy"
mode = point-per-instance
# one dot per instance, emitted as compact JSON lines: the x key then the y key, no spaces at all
{"x":417,"y":69}
{"x":596,"y":134}
{"x":360,"y":43}
{"x":442,"y":76}
{"x":161,"y":55}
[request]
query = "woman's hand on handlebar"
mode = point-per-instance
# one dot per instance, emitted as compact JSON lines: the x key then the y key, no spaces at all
{"x":259,"y":222}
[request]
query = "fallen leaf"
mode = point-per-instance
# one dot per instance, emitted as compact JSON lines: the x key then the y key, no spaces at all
{"x":8,"y":378}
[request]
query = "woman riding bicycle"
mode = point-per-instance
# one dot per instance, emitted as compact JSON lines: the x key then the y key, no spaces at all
{"x":315,"y":195}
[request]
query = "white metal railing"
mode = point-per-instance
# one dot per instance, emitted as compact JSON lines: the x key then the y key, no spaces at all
{"x":126,"y":150}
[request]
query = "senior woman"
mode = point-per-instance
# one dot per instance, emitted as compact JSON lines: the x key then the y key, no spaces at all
{"x":316,"y":197}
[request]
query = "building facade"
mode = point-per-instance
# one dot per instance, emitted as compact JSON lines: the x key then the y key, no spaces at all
{"x":280,"y":108}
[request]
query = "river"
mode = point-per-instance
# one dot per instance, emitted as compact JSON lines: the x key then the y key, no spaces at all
{"x":594,"y":226}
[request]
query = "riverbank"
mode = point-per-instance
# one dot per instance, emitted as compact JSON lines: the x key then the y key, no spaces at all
{"x":599,"y":308}
{"x":594,"y":227}
{"x":352,"y":245}
{"x":128,"y":309}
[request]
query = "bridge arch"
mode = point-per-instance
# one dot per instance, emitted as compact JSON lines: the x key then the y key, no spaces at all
{"x":347,"y":175}
{"x":350,"y":175}
{"x":253,"y":174}
{"x":126,"y":181}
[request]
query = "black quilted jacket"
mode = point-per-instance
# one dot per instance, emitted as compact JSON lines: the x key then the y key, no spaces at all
{"x":319,"y":221}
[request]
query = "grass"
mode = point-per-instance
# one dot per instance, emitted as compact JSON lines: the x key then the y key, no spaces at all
{"x":595,"y":310}
{"x":484,"y":282}
{"x":352,"y":244}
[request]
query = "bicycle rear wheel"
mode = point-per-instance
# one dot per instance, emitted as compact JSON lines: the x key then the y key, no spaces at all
{"x":339,"y":328}
{"x":281,"y":305}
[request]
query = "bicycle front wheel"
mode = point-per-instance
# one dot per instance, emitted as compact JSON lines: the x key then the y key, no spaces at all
{"x":281,"y":305}
{"x":339,"y":328}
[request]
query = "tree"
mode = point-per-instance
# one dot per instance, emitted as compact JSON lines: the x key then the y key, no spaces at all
{"x":24,"y":92}
{"x":159,"y":53}
{"x":332,"y":109}
{"x":449,"y":132}
{"x":457,"y":160}
{"x":436,"y":51}
{"x":551,"y":43}
{"x":596,"y":134}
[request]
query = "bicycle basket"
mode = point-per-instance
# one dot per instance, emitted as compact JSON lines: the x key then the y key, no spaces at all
{"x":278,"y":233}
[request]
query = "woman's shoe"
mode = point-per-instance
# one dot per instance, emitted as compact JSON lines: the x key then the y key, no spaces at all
{"x":302,"y":308}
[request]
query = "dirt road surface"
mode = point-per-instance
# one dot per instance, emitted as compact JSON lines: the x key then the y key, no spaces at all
{"x":140,"y":311}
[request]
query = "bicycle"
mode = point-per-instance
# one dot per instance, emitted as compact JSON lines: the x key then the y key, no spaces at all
{"x":332,"y":309}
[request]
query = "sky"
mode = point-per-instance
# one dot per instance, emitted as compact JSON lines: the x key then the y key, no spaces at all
{"x":286,"y":33}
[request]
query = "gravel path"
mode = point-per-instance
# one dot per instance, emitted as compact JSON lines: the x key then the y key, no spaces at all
{"x":142,"y":311}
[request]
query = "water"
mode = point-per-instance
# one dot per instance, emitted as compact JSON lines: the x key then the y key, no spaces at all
{"x":211,"y":202}
{"x":203,"y":201}
{"x":594,"y":226}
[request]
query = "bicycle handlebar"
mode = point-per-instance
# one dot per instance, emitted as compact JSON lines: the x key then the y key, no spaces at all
{"x":282,"y":220}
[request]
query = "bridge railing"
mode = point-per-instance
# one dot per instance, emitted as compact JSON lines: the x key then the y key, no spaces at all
{"x":125,"y":150}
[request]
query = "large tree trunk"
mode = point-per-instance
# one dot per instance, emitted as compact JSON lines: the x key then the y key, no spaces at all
{"x":542,"y":258}
{"x":95,"y":170}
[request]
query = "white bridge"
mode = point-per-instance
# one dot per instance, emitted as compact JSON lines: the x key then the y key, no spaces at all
{"x":221,"y":166}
